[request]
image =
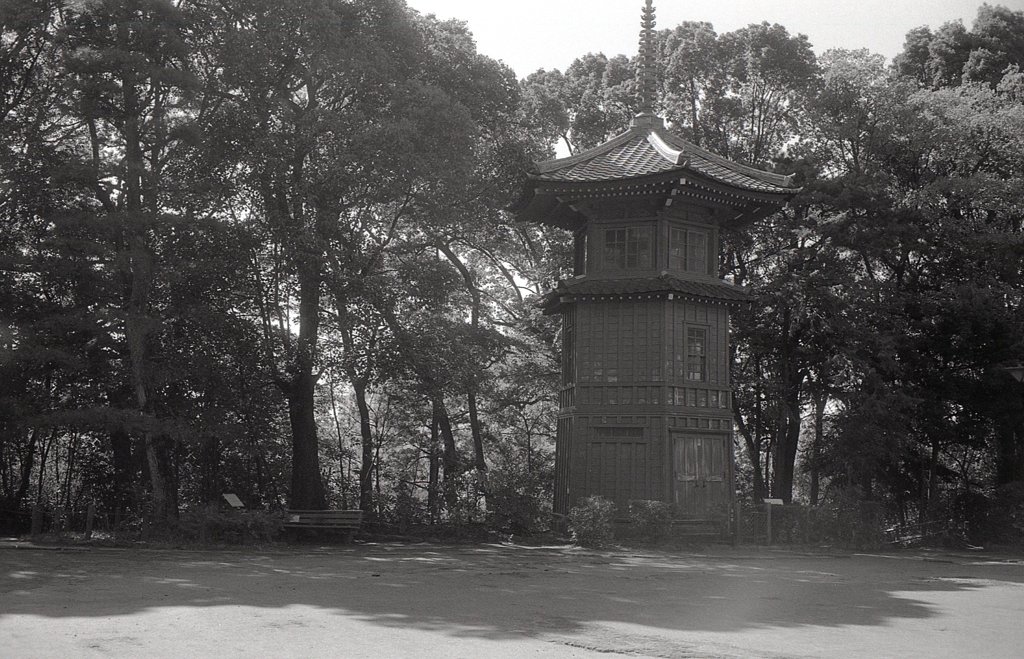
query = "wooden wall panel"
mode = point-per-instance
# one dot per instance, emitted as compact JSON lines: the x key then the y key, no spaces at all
{"x":613,"y":461}
{"x":619,"y":471}
{"x":563,"y":455}
{"x":620,"y":341}
{"x":630,"y":372}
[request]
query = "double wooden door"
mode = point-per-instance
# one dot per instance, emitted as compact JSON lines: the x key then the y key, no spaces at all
{"x":701,"y":467}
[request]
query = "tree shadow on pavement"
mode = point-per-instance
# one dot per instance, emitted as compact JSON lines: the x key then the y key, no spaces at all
{"x":495,"y":591}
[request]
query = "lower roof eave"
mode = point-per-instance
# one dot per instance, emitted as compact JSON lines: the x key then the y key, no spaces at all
{"x":553,"y":304}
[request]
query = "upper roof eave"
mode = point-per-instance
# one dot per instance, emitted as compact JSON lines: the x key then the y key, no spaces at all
{"x":648,"y":148}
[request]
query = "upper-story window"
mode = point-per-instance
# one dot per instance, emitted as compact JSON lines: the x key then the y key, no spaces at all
{"x":627,"y":248}
{"x":688,"y":250}
{"x":696,"y":354}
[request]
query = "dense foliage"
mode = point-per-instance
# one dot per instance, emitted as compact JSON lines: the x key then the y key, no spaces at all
{"x":261,"y":247}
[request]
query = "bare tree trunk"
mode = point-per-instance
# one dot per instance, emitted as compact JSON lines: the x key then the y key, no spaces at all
{"x":366,"y":434}
{"x":477,"y":430}
{"x":820,"y":401}
{"x":44,"y":453}
{"x":449,"y":458}
{"x":433,"y":478}
{"x":26,"y":469}
{"x":754,"y":454}
{"x":933,"y":481}
{"x":474,"y":418}
{"x":342,"y":451}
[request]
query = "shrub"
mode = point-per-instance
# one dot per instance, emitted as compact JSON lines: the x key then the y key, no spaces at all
{"x":408,"y":510}
{"x":846,"y":520}
{"x":1007,"y":514}
{"x":517,"y":503}
{"x":796,"y":524}
{"x":590,"y":522}
{"x":651,"y":520}
{"x":230,"y":527}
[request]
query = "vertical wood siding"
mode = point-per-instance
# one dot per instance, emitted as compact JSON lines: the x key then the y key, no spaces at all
{"x":629,"y":371}
{"x":563,"y":455}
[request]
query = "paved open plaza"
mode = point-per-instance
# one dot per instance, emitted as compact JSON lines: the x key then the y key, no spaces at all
{"x":427,"y":601}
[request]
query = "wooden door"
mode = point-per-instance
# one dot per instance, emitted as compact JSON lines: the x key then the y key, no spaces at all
{"x":701,"y":473}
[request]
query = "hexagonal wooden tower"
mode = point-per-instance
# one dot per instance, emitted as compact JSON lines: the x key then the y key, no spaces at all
{"x":646,"y":398}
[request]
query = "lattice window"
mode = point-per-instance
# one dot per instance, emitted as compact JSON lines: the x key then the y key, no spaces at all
{"x":688,"y":250}
{"x":697,"y":252}
{"x":627,"y":248}
{"x":696,"y":354}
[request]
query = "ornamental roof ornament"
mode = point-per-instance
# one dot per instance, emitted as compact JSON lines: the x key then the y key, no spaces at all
{"x":647,"y":78}
{"x":648,"y":161}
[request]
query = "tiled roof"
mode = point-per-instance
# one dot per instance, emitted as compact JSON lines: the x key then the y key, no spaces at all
{"x":665,"y":283}
{"x":648,"y":148}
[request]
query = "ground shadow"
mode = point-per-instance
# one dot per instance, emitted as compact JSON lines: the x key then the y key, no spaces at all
{"x":496,"y":591}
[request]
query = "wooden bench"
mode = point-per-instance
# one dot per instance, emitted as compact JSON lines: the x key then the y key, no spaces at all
{"x":328,"y":520}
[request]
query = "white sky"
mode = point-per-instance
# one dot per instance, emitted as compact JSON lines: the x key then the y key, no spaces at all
{"x":532,"y":34}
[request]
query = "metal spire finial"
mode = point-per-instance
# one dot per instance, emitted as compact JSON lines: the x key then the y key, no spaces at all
{"x":646,"y":76}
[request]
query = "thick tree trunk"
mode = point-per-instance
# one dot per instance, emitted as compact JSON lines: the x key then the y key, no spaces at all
{"x":307,"y":491}
{"x":784,"y":453}
{"x":139,"y":327}
{"x":140,"y":322}
{"x":787,"y":436}
{"x":161,"y":475}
